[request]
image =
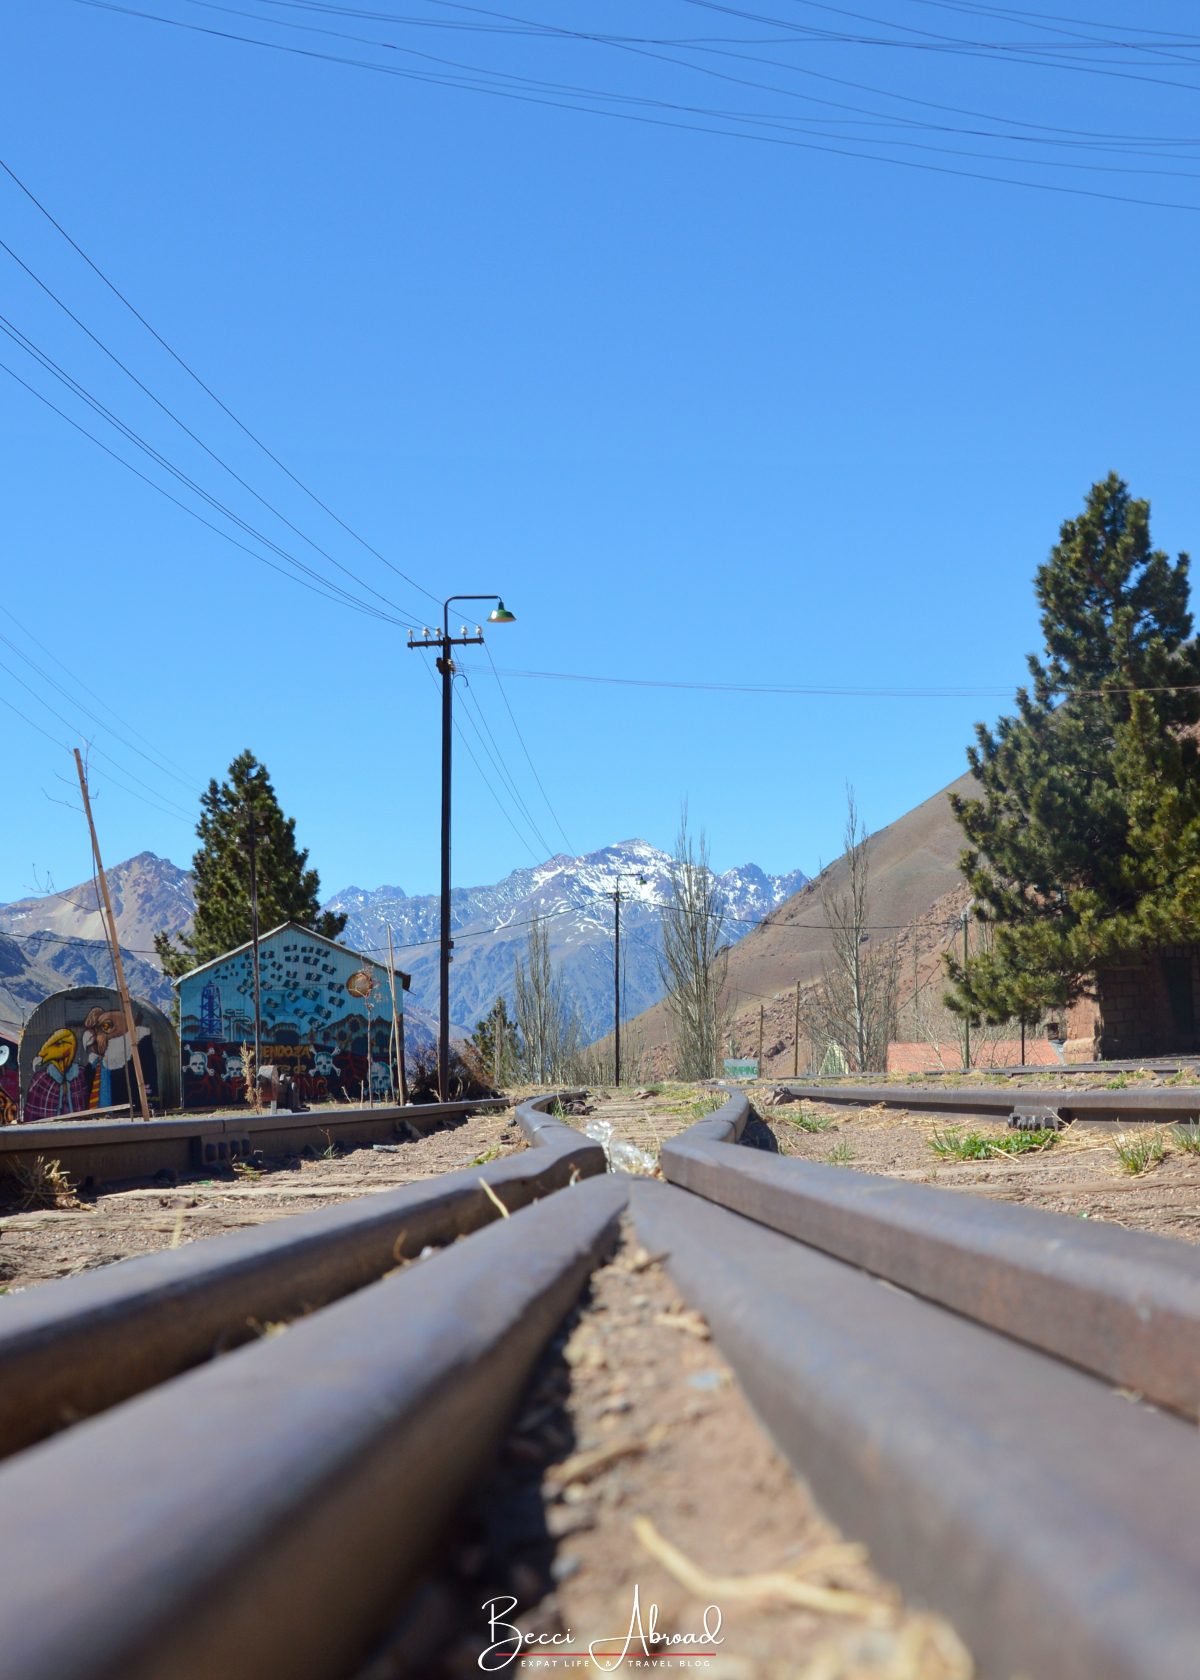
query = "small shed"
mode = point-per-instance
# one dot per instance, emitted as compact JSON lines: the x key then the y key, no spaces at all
{"x":10,"y":1085}
{"x":325,"y":1010}
{"x":75,"y":1054}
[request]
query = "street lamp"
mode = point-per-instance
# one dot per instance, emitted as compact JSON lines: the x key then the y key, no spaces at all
{"x":445,"y":664}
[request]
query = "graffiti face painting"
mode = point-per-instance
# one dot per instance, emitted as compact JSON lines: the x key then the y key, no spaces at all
{"x":76,"y":1058}
{"x":60,"y":1084}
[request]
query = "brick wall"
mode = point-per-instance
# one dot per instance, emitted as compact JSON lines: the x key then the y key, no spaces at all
{"x":1153,"y":1008}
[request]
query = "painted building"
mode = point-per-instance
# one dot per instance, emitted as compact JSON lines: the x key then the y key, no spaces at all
{"x":75,"y":1055}
{"x":10,"y":1084}
{"x":317,"y":1001}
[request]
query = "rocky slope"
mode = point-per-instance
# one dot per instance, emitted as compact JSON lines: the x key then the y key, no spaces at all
{"x":57,"y":940}
{"x":491,"y":927}
{"x":916,"y":894}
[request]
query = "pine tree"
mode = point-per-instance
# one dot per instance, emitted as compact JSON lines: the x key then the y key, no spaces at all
{"x":497,"y":1043}
{"x":287,"y":889}
{"x":1083,"y":845}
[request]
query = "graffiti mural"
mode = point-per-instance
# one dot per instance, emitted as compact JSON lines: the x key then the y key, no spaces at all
{"x":75,"y":1055}
{"x":318,"y":1003}
{"x":10,"y":1084}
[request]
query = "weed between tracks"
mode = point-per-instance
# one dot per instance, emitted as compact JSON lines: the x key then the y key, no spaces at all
{"x":951,"y":1144}
{"x":840,"y":1155}
{"x":810,"y":1122}
{"x":1187,"y":1137}
{"x":1138,"y":1153}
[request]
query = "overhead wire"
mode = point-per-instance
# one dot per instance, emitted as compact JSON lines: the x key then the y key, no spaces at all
{"x":206,"y":388}
{"x":187,"y":430}
{"x":474,"y":712}
{"x":788,"y":141}
{"x":163,"y":799}
{"x":24,"y":629}
{"x":51,"y":366}
{"x":191,"y":511}
{"x":486,"y":780}
{"x":184,"y":781}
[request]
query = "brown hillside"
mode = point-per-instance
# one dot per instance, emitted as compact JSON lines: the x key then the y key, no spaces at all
{"x":916,"y":892}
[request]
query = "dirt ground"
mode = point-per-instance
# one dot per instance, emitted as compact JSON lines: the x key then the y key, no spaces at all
{"x":1079,"y":1173}
{"x":636,"y":1464}
{"x":106,"y":1225}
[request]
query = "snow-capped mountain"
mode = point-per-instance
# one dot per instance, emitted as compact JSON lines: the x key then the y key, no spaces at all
{"x":573,"y":894}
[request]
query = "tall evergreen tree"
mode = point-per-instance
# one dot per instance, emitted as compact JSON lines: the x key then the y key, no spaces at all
{"x":1084,"y":846}
{"x":233,"y":811}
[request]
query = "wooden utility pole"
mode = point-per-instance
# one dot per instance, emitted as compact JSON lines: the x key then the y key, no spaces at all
{"x":760,"y":1041}
{"x":126,"y":1002}
{"x":393,"y":1043}
{"x":796,"y":1037}
{"x":252,"y":839}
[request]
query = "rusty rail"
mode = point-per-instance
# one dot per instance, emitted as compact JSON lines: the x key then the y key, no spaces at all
{"x":1052,"y":1520}
{"x":75,"y":1347}
{"x":106,"y":1151}
{"x":1178,"y":1105}
{"x":266,"y":1514}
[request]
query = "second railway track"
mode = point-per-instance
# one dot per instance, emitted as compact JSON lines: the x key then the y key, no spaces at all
{"x":952,"y":1376}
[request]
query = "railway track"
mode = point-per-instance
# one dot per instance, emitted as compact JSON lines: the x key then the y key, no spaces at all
{"x":1177,"y":1104}
{"x":952,"y":1376}
{"x":107,"y":1151}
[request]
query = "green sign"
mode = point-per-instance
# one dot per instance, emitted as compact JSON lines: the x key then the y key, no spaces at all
{"x":745,"y":1068}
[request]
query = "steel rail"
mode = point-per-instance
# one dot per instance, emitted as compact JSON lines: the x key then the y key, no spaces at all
{"x":1177,"y":1105}
{"x":1018,"y":1070}
{"x":74,"y":1347}
{"x":103,"y":1151}
{"x":263,"y":1515}
{"x":1122,"y":1304}
{"x":1050,"y":1519}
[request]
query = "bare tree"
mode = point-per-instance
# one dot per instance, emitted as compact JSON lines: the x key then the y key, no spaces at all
{"x":548,"y":1028}
{"x":694,"y":956}
{"x":853,"y":1005}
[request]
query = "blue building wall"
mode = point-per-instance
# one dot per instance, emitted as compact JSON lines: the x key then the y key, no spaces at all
{"x":313,"y":1023}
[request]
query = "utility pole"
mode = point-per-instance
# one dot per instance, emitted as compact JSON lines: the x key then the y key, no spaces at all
{"x":616,"y":896}
{"x":796,"y":1037}
{"x":760,"y":1041}
{"x":445,"y":664}
{"x":252,"y":846}
{"x":135,"y":1059}
{"x":392,"y":1038}
{"x":966,"y":922}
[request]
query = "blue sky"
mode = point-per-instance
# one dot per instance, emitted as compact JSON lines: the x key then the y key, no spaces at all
{"x":702,"y":409}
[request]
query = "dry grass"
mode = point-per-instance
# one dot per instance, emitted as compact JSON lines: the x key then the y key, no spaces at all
{"x":45,"y":1185}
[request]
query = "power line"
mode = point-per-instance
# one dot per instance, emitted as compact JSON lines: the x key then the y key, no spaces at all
{"x":93,"y":402}
{"x":207,"y":389}
{"x":483,"y":777}
{"x":558,"y":31}
{"x":525,"y":750}
{"x":473,"y":711}
{"x":99,"y":698}
{"x":187,"y":782}
{"x":188,"y":432}
{"x":224,"y":535}
{"x":813,"y":691}
{"x":54,"y":740}
{"x":164,"y":799}
{"x":790,"y":142}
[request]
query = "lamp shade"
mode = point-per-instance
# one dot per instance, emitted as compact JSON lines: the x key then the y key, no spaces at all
{"x":501,"y":615}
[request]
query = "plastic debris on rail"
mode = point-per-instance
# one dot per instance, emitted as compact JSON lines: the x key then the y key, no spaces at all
{"x":620,"y":1155}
